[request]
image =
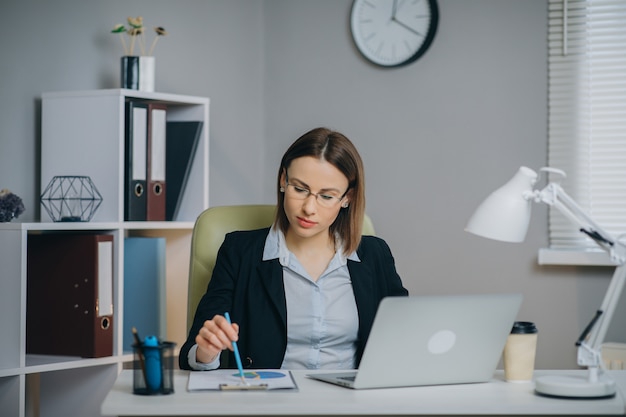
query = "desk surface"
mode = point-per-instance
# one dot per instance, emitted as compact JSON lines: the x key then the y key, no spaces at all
{"x":496,"y":397}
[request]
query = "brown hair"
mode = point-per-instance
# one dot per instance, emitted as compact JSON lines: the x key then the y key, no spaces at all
{"x":338,"y":150}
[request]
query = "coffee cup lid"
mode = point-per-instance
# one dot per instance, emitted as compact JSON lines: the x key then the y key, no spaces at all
{"x":523,"y":327}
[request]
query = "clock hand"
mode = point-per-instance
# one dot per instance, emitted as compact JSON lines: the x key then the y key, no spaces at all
{"x":407,"y":27}
{"x":394,"y":10}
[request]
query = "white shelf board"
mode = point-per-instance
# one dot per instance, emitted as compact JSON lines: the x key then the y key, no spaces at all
{"x":548,"y":256}
{"x":60,"y":226}
{"x":165,"y":97}
{"x":69,"y":226}
{"x":47,"y":363}
{"x":158,"y":225}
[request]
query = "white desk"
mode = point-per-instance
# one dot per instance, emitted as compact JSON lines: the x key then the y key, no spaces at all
{"x":318,"y":398}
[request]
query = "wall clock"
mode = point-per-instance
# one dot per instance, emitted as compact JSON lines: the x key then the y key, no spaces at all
{"x":393,"y":33}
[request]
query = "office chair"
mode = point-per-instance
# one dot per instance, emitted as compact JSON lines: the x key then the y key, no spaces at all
{"x":208,"y":234}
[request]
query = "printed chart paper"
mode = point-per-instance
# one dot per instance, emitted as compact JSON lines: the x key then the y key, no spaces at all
{"x":213,"y":380}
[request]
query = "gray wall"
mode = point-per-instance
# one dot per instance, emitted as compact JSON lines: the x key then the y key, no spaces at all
{"x":436,"y":136}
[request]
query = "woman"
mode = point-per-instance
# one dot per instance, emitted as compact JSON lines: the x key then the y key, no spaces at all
{"x":303,"y":293}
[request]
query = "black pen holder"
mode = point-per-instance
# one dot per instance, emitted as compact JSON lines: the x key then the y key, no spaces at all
{"x":153,"y":369}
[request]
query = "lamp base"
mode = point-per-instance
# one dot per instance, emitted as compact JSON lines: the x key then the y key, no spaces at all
{"x":575,"y":387}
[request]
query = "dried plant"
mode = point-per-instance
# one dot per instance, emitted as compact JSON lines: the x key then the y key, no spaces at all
{"x":136,"y":32}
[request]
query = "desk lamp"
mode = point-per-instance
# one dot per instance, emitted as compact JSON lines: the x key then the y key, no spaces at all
{"x":505,"y":215}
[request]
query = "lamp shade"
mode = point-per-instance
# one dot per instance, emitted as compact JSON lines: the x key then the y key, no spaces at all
{"x":505,"y":214}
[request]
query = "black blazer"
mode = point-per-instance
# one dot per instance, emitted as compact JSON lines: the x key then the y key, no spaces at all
{"x":252,"y":291}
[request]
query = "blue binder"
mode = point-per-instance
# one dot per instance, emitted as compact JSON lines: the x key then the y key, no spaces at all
{"x":144,"y":288}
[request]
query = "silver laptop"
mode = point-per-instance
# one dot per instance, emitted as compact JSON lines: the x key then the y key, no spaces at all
{"x":432,"y":340}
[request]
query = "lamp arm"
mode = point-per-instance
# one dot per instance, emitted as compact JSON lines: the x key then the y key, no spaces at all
{"x":554,"y":195}
{"x":611,"y":299}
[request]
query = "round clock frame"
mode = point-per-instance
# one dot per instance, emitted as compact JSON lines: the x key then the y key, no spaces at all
{"x":393,"y":33}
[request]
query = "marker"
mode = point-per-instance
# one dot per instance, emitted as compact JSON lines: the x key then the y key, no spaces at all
{"x":237,"y":357}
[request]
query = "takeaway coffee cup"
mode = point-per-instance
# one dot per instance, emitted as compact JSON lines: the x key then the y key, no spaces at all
{"x":519,"y":352}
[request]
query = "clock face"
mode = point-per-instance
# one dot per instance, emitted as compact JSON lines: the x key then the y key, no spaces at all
{"x":392,"y":33}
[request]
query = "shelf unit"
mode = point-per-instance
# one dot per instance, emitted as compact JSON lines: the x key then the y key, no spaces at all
{"x":83,"y":134}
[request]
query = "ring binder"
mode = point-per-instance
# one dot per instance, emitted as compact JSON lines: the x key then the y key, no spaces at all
{"x":70,"y":278}
{"x":135,"y":159}
{"x":155,"y":199}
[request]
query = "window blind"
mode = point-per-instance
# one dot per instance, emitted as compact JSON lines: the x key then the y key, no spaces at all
{"x":587,"y":114}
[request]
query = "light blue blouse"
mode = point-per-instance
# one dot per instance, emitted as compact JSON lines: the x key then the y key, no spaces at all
{"x":322,"y":317}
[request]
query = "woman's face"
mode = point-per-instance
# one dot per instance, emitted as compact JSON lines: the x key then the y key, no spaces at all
{"x":307,"y":216}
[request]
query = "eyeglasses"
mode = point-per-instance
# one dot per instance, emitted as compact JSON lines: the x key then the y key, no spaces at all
{"x":298,"y":192}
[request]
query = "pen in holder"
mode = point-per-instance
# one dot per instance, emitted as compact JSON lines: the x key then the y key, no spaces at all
{"x":153,"y":367}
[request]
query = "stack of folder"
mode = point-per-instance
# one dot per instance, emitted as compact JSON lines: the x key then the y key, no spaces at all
{"x":158,"y":159}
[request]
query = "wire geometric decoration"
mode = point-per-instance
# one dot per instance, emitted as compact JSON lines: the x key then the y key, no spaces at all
{"x":70,"y":198}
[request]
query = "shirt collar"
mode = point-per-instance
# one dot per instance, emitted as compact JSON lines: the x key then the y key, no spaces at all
{"x":276,"y":248}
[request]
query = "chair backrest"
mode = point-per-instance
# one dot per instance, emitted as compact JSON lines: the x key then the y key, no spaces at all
{"x":208,"y":235}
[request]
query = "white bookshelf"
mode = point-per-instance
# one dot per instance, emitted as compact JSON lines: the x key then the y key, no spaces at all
{"x":83,"y":134}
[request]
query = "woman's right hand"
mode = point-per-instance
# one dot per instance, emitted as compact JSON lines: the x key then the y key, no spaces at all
{"x":214,"y":336}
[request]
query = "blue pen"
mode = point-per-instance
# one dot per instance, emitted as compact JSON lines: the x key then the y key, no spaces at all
{"x":237,"y":357}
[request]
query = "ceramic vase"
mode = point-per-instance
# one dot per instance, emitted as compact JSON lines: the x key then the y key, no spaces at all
{"x":137,"y":73}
